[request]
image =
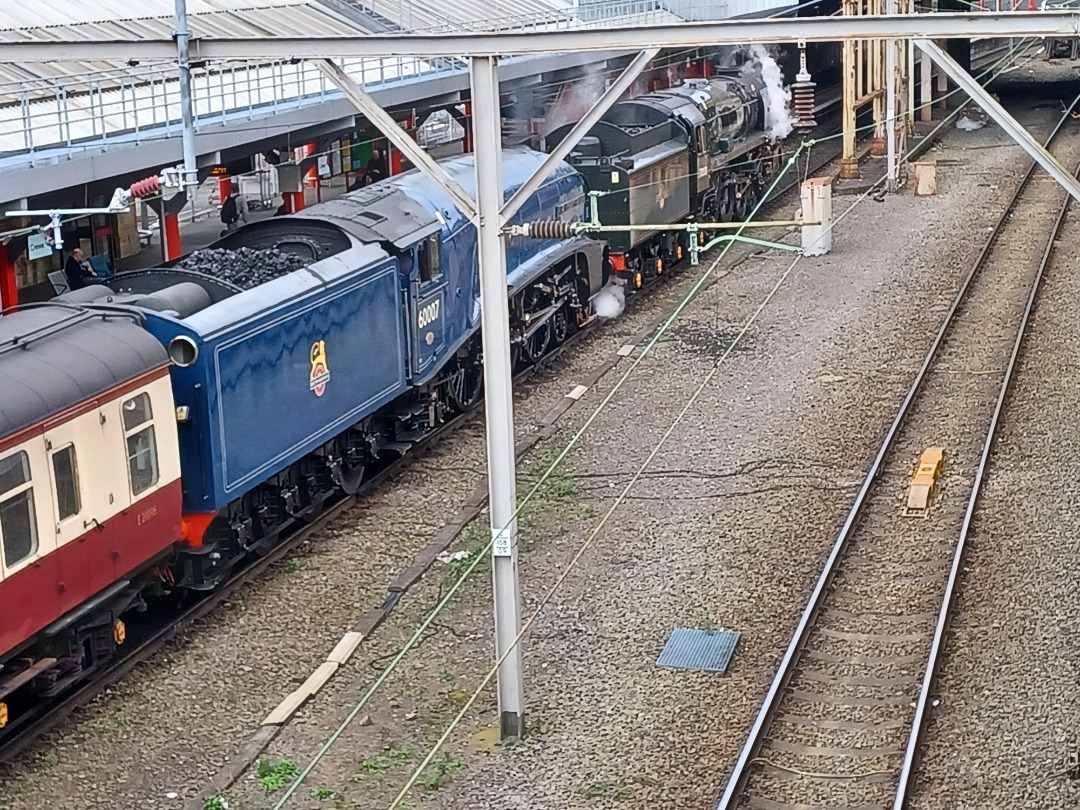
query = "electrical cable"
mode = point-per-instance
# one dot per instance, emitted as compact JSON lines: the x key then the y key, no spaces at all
{"x":482,"y":554}
{"x":626,"y":490}
{"x":419,"y":633}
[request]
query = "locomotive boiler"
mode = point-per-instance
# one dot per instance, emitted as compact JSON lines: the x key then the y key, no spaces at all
{"x":699,"y":151}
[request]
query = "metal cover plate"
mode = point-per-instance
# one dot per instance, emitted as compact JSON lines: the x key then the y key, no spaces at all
{"x":703,"y":650}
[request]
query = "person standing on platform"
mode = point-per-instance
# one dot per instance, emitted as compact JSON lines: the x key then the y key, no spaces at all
{"x":230,"y":212}
{"x":376,"y":168}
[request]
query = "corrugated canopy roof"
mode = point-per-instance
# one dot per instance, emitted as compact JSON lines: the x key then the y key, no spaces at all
{"x":80,"y":20}
{"x":77,"y":104}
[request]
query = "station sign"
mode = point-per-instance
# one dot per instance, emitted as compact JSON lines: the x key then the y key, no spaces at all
{"x":37,"y":247}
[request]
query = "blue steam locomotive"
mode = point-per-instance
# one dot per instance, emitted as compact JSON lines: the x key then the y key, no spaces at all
{"x":287,"y":390}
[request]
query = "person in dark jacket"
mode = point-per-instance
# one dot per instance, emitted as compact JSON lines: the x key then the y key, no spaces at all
{"x":230,"y":213}
{"x":79,"y":272}
{"x":376,"y":168}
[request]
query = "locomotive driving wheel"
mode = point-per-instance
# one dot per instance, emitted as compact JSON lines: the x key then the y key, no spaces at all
{"x":466,"y":383}
{"x":560,"y":325}
{"x":536,"y":345}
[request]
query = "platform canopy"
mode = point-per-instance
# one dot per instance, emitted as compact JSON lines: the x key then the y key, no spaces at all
{"x":575,"y":40}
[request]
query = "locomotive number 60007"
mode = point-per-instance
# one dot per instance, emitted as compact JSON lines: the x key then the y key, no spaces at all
{"x":428,"y":314}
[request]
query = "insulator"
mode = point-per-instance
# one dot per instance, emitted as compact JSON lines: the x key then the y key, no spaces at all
{"x":144,"y":188}
{"x":802,"y":104}
{"x":551,"y":229}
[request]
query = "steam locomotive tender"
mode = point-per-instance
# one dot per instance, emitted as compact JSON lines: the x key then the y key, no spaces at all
{"x":695,"y":152}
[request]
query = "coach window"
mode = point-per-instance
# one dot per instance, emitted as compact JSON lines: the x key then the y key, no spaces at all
{"x":141,"y":446}
{"x":430,"y":264}
{"x":66,"y":476}
{"x":18,"y":525}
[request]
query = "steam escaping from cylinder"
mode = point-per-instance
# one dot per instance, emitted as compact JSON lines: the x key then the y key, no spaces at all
{"x":779,"y":122}
{"x":611,"y":300}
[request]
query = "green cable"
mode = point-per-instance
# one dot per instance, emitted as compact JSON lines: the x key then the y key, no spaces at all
{"x":390,"y":668}
{"x":547,"y":597}
{"x":547,"y":474}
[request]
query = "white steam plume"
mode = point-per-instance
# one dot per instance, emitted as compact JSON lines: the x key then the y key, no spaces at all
{"x":779,"y":122}
{"x":611,"y":300}
{"x":574,"y":101}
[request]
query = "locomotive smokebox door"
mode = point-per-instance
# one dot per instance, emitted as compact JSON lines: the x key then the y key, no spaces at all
{"x":428,"y":306}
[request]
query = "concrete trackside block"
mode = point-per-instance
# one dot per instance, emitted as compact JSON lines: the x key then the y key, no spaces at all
{"x":345,"y":648}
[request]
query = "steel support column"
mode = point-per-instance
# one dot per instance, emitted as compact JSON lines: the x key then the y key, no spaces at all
{"x":498,"y":400}
{"x":892,"y":97}
{"x":926,"y":87}
{"x":187,"y":109}
{"x":850,"y":67}
{"x":578,"y":131}
{"x":396,"y":135}
{"x":979,"y":94}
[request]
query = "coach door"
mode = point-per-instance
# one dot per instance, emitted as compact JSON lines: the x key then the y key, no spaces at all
{"x":428,"y":307}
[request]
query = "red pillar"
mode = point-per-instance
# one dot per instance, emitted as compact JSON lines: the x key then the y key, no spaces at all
{"x":395,"y":159}
{"x":170,"y":237}
{"x":224,"y":188}
{"x":395,"y":153}
{"x":294,"y":201}
{"x":467,"y":142}
{"x":312,"y":173}
{"x":9,"y":290}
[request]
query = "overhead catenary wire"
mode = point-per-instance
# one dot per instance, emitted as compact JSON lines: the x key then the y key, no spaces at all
{"x":483,"y":552}
{"x":418,"y":771}
{"x":27,"y":230}
{"x":474,"y":562}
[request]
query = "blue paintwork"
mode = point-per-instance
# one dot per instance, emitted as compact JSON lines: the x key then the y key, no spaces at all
{"x":253,"y":411}
{"x":253,"y":408}
{"x":562,"y":196}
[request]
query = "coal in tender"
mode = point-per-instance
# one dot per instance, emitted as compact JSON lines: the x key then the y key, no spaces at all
{"x":245,"y":267}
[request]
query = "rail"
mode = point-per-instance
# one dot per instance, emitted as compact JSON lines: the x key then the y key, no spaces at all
{"x":737,"y":785}
{"x":19,"y":735}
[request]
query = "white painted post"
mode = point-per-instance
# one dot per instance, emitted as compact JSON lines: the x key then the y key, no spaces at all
{"x":498,"y":399}
{"x":817,"y":207}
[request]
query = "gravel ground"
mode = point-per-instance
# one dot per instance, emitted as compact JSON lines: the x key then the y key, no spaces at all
{"x":741,"y":504}
{"x":1007,"y":720}
{"x":893,"y":571}
{"x":170,"y":725}
{"x":769,"y":453}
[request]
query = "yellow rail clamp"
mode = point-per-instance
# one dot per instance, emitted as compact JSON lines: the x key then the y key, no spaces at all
{"x":922,"y":483}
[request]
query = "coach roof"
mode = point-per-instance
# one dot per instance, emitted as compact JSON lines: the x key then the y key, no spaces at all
{"x":53,"y":358}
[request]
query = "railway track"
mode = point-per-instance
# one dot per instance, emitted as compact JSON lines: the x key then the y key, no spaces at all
{"x":841,"y":723}
{"x":22,"y":732}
